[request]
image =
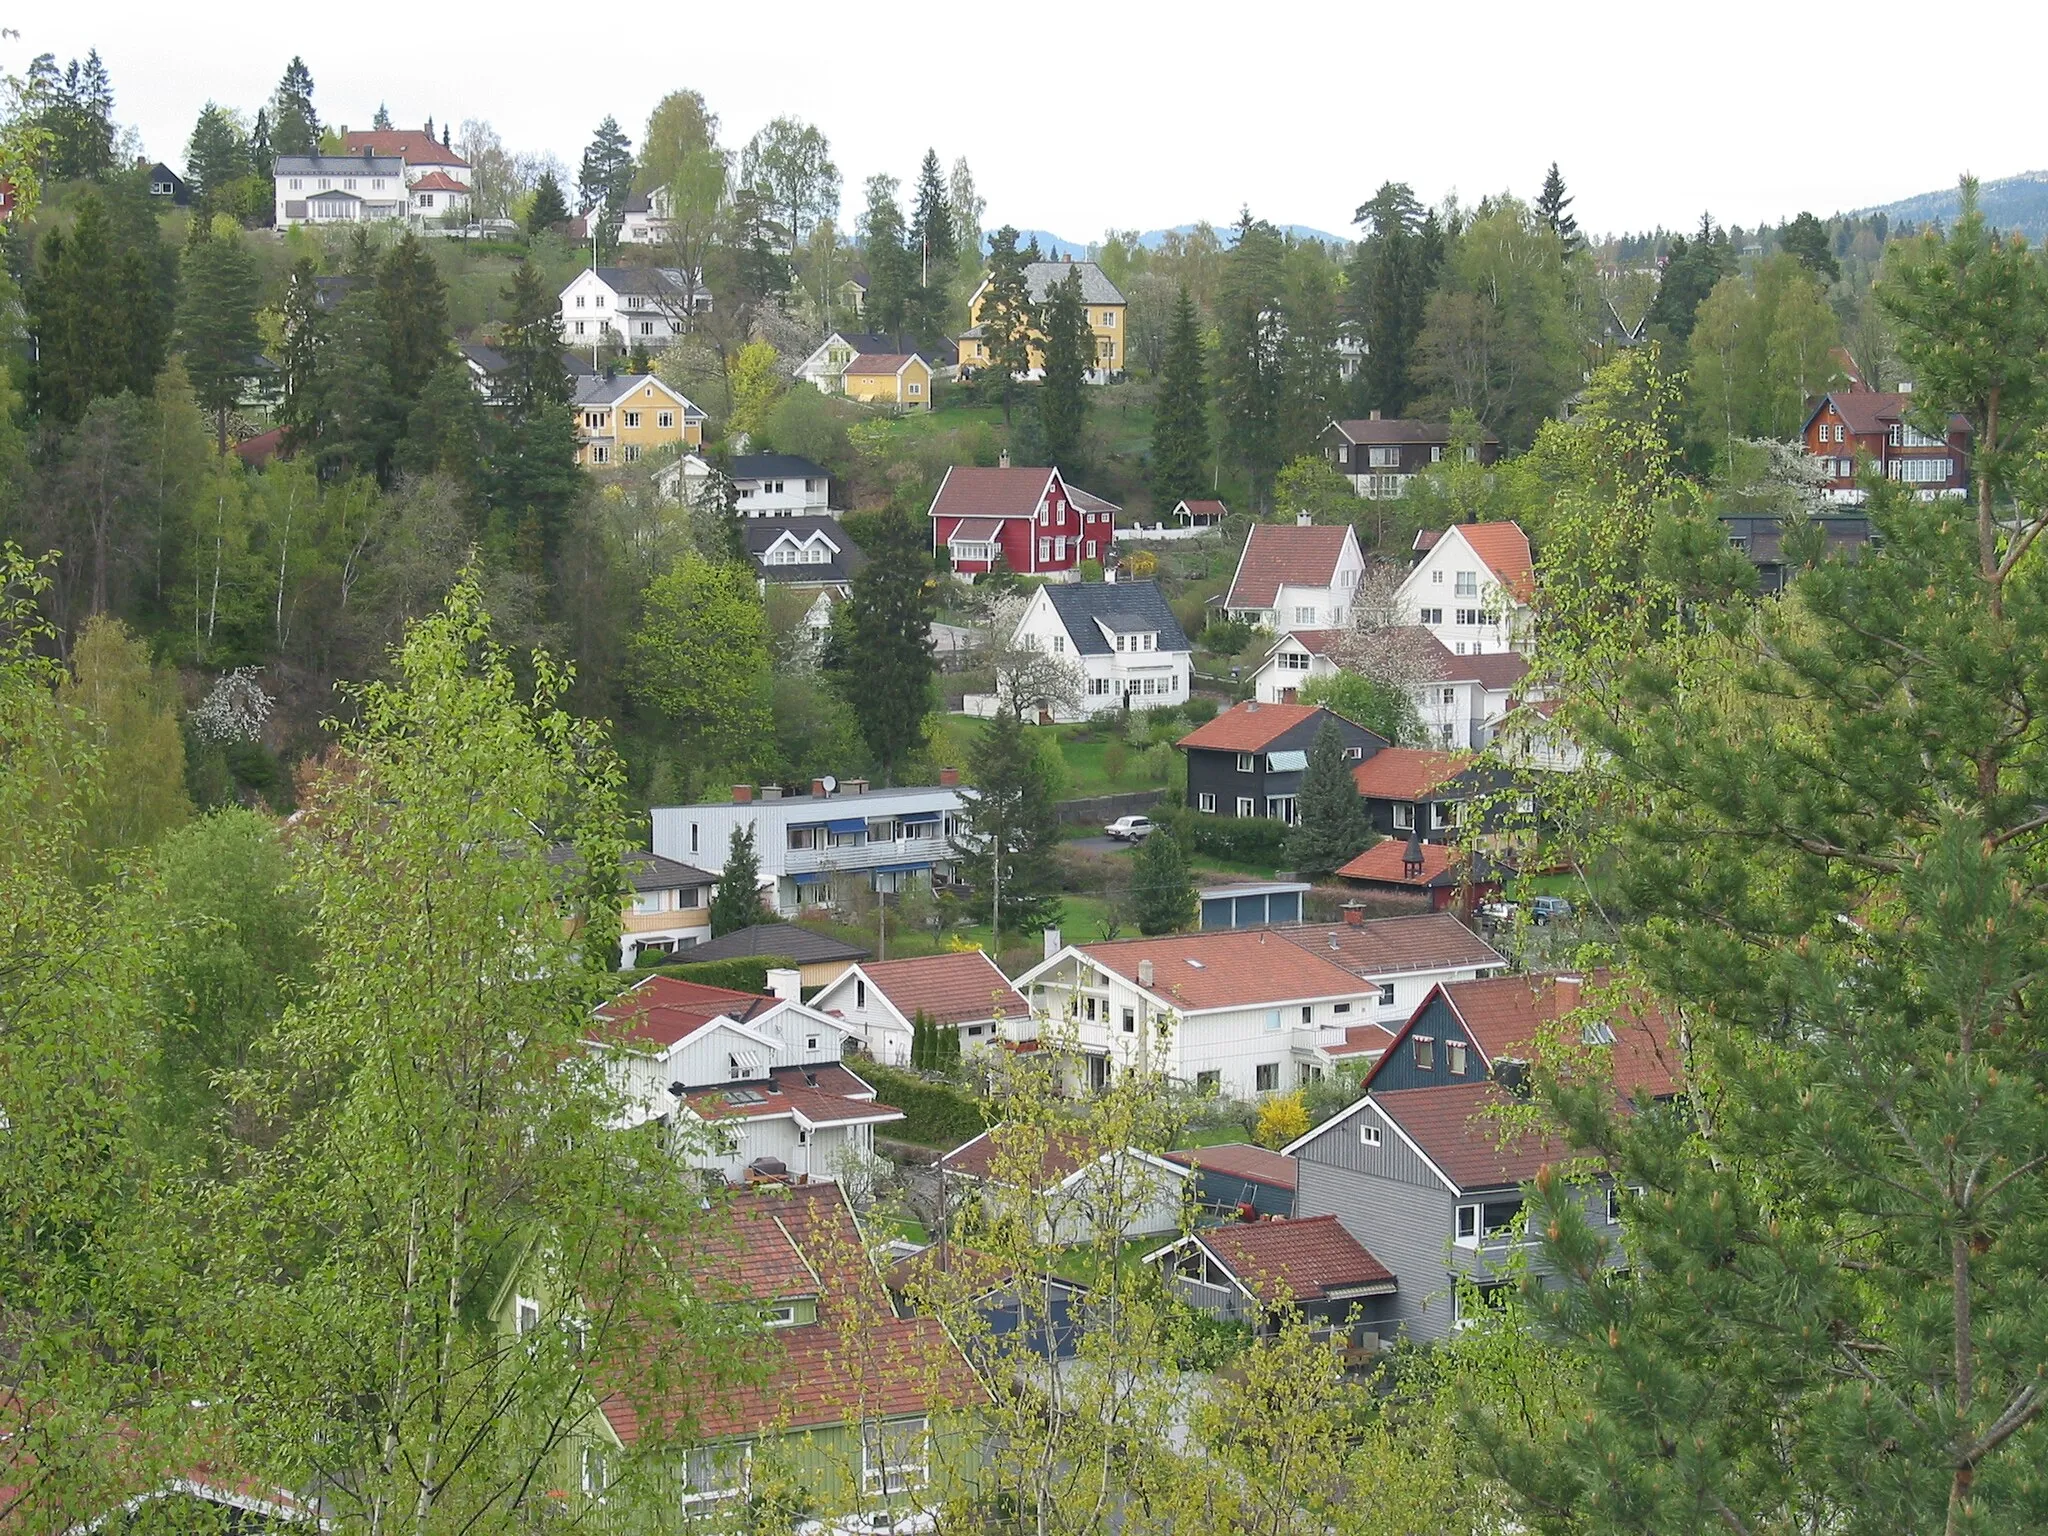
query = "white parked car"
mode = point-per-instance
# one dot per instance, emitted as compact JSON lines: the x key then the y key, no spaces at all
{"x":1129,"y":829}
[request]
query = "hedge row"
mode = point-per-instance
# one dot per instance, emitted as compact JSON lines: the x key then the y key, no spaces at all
{"x":1240,"y":839}
{"x":940,"y":1115}
{"x":743,"y":973}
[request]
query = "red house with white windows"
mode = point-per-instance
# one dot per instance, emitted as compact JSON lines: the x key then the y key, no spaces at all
{"x":1030,"y":519}
{"x":1849,"y":425}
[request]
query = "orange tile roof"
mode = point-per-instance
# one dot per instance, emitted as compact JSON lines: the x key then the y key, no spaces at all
{"x":1504,"y":549}
{"x":1455,"y":1128}
{"x":1407,"y":773}
{"x":661,"y":1010}
{"x":1289,"y":1262}
{"x":1261,"y":1165}
{"x":1363,"y":1040}
{"x":949,"y":989}
{"x":826,"y":1094}
{"x":1286,"y":554}
{"x":881,"y":363}
{"x":1058,"y":1153}
{"x":437,"y":181}
{"x":1248,"y":727}
{"x":859,"y":1360}
{"x":1505,"y":1015}
{"x":415,"y":146}
{"x":1383,"y":863}
{"x":1242,"y":968}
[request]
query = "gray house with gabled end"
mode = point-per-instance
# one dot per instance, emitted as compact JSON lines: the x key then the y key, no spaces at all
{"x":1120,"y":637}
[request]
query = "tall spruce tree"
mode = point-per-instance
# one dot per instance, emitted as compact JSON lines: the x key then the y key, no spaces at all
{"x":1331,"y":827}
{"x":215,"y":156}
{"x":1180,"y":414}
{"x":548,"y":208}
{"x":413,"y":302}
{"x":305,"y":329}
{"x":935,"y":249}
{"x":1393,"y":270}
{"x":1009,"y":320}
{"x":217,"y":334}
{"x":77,"y":356}
{"x":1069,"y":354}
{"x":533,"y":480}
{"x":1007,"y":831}
{"x":736,"y":904}
{"x":879,"y":653}
{"x":1249,"y":349}
{"x":1691,"y":269}
{"x":1807,"y":238}
{"x":605,"y":180}
{"x":892,"y":266}
{"x":294,"y":125}
{"x":1553,"y":207}
{"x":1162,"y":889}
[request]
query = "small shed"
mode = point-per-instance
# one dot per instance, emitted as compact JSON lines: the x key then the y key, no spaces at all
{"x":1252,"y":903}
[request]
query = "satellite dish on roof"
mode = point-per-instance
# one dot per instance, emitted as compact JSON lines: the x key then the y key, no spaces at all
{"x":831,"y":785}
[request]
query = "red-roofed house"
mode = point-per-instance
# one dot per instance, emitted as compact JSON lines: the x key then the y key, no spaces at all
{"x":1412,"y":790}
{"x":437,"y":179}
{"x":1025,"y":517}
{"x":1076,"y":1192}
{"x":879,"y":999}
{"x":1242,"y":1011}
{"x":1382,"y":457}
{"x":1236,"y":1177}
{"x":1472,"y":589}
{"x":754,"y":1081}
{"x":1296,"y":576}
{"x":1258,"y":1271}
{"x":1248,"y":760}
{"x":1432,"y":1179}
{"x":1394,"y":866}
{"x":834,"y":1394}
{"x":1848,"y":425}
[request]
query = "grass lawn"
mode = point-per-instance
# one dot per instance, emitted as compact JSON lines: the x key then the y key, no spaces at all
{"x":1083,"y":749}
{"x":1212,"y":1136}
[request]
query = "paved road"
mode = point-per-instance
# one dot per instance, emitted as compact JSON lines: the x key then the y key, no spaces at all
{"x":1098,"y":844}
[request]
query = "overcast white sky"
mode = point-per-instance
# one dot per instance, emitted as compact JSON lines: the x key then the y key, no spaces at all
{"x":1136,"y":114}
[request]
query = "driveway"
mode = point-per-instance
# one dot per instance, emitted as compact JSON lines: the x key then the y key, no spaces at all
{"x":1098,"y":844}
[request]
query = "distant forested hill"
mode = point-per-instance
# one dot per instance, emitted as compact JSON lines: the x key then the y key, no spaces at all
{"x":2012,"y":202}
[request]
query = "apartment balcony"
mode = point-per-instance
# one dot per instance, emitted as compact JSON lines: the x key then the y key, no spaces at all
{"x":867,"y":854}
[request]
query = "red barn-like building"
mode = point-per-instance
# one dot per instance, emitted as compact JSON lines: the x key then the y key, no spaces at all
{"x":1848,"y":425}
{"x":1029,"y":518}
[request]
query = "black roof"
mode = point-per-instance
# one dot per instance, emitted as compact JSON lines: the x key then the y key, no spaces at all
{"x":940,"y":354}
{"x":652,"y":872}
{"x":767,"y":466}
{"x":1125,"y":606}
{"x":788,"y":941}
{"x":762,"y":532}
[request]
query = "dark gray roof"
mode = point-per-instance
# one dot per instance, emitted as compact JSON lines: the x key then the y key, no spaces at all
{"x":330,"y":291}
{"x":1125,"y":606}
{"x":656,"y":282}
{"x":338,"y":165}
{"x":486,"y":359}
{"x":1096,"y":288}
{"x":762,"y":532}
{"x":806,"y":946}
{"x":652,"y":872}
{"x":769,"y":466}
{"x":1391,"y":431}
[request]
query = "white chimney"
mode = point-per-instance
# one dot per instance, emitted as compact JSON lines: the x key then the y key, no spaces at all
{"x":1302,"y":519}
{"x":1052,"y":942}
{"x":1109,"y":574}
{"x":1145,"y":974}
{"x":1003,"y":459}
{"x":788,"y":985}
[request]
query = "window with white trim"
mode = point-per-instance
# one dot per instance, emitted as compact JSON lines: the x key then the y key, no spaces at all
{"x":1455,"y":1049}
{"x":1468,"y":584}
{"x":1404,"y":816}
{"x":525,"y":1315}
{"x":1266,"y":1076}
{"x":1244,"y":805}
{"x":717,"y":1472}
{"x":1206,"y":802}
{"x":1244,"y":762}
{"x":895,"y":1456}
{"x":1386,"y":994}
{"x":1424,"y":1048}
{"x":1369,"y":1135}
{"x":596,"y":1475}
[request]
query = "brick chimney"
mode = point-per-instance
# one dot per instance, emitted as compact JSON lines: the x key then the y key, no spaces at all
{"x":742,"y":794}
{"x":817,"y":789}
{"x":1568,"y":989}
{"x":1354,"y":915}
{"x":949,"y":778}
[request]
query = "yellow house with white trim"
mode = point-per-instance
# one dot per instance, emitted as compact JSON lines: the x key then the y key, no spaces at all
{"x":901,"y":379}
{"x":624,"y":418}
{"x":1103,"y":300}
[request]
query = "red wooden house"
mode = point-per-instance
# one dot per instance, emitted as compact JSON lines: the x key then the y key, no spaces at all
{"x":1029,"y":518}
{"x":1848,"y":425}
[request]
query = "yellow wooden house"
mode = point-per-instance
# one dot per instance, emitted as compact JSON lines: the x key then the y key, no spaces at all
{"x":900,"y":379}
{"x":1103,"y":300}
{"x":624,"y":418}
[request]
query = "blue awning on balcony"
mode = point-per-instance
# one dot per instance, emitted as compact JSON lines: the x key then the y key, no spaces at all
{"x":848,"y":824}
{"x":909,"y":816}
{"x":901,"y":869}
{"x":808,"y":877}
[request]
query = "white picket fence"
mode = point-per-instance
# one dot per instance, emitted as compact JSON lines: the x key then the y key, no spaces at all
{"x":1159,"y":533}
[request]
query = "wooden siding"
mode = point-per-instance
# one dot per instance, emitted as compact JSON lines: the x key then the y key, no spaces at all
{"x":1398,"y":1069}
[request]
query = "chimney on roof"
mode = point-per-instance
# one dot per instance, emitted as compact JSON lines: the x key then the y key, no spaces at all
{"x":1302,"y":518}
{"x":854,"y":786}
{"x":1145,"y":973}
{"x":1354,"y":914}
{"x":1905,"y":386}
{"x":1372,"y":415}
{"x":817,"y":789}
{"x":771,"y":791}
{"x":786,"y":984}
{"x":949,"y":778}
{"x":1568,"y":988}
{"x":1411,"y":858}
{"x":742,"y":794}
{"x":1108,"y":574}
{"x":1003,"y":459}
{"x":1052,"y":942}
{"x":1251,"y":706}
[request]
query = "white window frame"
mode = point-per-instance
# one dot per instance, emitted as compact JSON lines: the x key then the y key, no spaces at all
{"x":525,"y":1315}
{"x":880,"y":1476}
{"x":1245,"y":806}
{"x":693,"y":1494}
{"x":1245,"y":762}
{"x":1206,"y":802}
{"x":1404,"y":816}
{"x":1368,"y":1135}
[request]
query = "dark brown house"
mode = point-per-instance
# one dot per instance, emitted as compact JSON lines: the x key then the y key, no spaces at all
{"x":1380,"y":456}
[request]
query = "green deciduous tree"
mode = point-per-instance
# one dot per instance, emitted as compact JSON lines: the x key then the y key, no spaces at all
{"x":790,"y":161}
{"x":217,"y":332}
{"x":1331,"y":828}
{"x":127,"y":709}
{"x":880,"y":649}
{"x":700,"y":656}
{"x":1381,"y":707}
{"x":1162,"y":890}
{"x":1069,"y":355}
{"x":1007,"y":831}
{"x":737,"y":902}
{"x":1760,"y":351}
{"x":1180,"y":414}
